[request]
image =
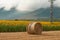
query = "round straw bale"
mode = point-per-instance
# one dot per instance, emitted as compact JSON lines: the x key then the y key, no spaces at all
{"x":34,"y":28}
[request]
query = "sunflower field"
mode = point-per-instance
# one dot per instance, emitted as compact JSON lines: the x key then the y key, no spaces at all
{"x":20,"y":26}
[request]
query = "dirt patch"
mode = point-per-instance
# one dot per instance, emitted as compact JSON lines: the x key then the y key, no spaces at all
{"x":49,"y":35}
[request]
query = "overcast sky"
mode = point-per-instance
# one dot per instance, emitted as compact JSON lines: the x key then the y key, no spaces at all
{"x":26,"y":5}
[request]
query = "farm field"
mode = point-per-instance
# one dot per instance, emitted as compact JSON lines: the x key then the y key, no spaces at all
{"x":20,"y":26}
{"x":17,"y":35}
{"x":49,"y":35}
{"x":7,"y":22}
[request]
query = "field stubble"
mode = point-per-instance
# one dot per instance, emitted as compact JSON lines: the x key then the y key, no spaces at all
{"x":49,"y":35}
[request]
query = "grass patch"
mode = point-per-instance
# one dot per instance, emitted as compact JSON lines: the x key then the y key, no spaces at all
{"x":17,"y":28}
{"x":22,"y":28}
{"x":51,"y":28}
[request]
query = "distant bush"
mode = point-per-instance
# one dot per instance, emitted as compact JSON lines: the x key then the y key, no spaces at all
{"x":16,"y":19}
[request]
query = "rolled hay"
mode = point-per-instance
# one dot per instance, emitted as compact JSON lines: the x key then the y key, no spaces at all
{"x":34,"y":28}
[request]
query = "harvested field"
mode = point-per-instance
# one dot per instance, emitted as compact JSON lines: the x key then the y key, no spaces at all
{"x":46,"y":35}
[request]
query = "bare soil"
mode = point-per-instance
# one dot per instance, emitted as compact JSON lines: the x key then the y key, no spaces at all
{"x":46,"y":35}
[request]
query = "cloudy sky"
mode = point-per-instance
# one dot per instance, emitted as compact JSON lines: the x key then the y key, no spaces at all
{"x":23,"y":6}
{"x":26,"y":5}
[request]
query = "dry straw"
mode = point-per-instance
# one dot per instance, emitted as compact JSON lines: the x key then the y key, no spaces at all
{"x":34,"y":28}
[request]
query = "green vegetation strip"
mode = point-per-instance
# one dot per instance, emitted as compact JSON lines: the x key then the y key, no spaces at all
{"x":17,"y":28}
{"x":22,"y":28}
{"x":51,"y":28}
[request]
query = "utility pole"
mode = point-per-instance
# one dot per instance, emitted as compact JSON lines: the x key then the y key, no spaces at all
{"x":51,"y":10}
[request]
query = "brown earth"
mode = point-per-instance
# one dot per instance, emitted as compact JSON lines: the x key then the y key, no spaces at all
{"x":48,"y":35}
